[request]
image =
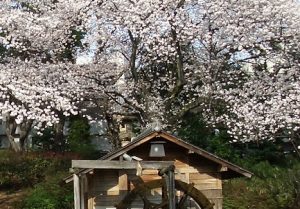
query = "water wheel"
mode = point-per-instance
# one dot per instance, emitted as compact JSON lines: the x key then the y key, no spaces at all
{"x":188,"y":192}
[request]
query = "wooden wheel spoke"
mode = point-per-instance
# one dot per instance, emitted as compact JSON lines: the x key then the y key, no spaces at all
{"x":142,"y":193}
{"x":157,"y":205}
{"x":182,"y":201}
{"x":147,"y":203}
{"x":160,"y":205}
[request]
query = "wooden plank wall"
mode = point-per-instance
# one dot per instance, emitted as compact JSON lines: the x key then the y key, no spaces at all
{"x":210,"y":185}
{"x":205,"y":178}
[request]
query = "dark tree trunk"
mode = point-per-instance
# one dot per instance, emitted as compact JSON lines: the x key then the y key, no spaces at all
{"x":17,"y":140}
{"x":59,"y":138}
{"x":113,"y":131}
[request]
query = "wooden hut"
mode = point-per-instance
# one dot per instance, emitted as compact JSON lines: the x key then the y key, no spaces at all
{"x":156,"y":170}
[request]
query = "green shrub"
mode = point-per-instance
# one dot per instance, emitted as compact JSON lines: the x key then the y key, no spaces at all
{"x":50,"y":195}
{"x":79,"y":140}
{"x":39,"y":174}
{"x":44,"y":142}
{"x":272,"y":187}
{"x":26,"y":170}
{"x":196,"y":131}
{"x":20,"y":170}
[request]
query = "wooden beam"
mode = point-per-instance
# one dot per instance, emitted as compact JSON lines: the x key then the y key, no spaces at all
{"x":109,"y":164}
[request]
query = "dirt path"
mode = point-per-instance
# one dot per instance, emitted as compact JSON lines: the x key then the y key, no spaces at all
{"x":9,"y":200}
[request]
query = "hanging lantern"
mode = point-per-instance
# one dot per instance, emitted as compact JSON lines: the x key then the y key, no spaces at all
{"x":157,"y":149}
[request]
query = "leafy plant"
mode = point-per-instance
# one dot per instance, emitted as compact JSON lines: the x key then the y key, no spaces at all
{"x":44,"y":142}
{"x":272,"y":187}
{"x":79,"y":140}
{"x":50,"y":195}
{"x":196,"y":131}
{"x":27,"y":170}
{"x":21,"y":170}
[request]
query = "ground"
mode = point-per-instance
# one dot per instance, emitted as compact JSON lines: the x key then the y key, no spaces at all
{"x":9,"y":200}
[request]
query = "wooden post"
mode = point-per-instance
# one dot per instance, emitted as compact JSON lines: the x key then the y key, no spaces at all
{"x":76,"y":180}
{"x":83,"y":180}
{"x":171,"y":189}
{"x":168,"y":174}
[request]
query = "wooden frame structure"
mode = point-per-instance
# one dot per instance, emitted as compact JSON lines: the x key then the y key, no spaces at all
{"x":80,"y":182}
{"x":103,"y":183}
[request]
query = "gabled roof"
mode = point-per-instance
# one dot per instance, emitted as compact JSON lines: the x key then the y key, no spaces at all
{"x":151,"y":134}
{"x":231,"y":171}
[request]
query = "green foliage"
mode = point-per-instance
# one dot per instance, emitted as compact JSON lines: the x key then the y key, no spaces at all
{"x":46,"y":141}
{"x":253,"y":153}
{"x":79,"y":140}
{"x":196,"y":131}
{"x":28,"y":169}
{"x":39,"y":174}
{"x":50,"y":195}
{"x":217,"y":141}
{"x":273,"y":187}
{"x":20,"y":170}
{"x":76,"y":37}
{"x":2,"y":49}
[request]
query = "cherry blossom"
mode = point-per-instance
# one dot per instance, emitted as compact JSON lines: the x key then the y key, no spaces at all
{"x":235,"y":62}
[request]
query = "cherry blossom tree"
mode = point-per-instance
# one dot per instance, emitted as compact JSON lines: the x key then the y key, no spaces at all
{"x":33,"y":78}
{"x":235,"y":62}
{"x":182,"y":55}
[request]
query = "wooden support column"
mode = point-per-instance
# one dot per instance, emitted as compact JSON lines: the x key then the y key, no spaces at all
{"x":171,"y":189}
{"x":83,"y":191}
{"x":168,"y":175}
{"x":76,"y":180}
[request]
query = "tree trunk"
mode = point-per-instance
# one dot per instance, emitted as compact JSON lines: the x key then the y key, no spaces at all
{"x":113,"y":131}
{"x":15,"y":144}
{"x":17,"y":140}
{"x":59,"y":138}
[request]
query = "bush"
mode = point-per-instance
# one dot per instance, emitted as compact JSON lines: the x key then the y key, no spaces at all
{"x":79,"y":140}
{"x":46,"y":141}
{"x":19,"y":170}
{"x":40,"y":176}
{"x":50,"y":195}
{"x":25,"y":170}
{"x":272,"y":187}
